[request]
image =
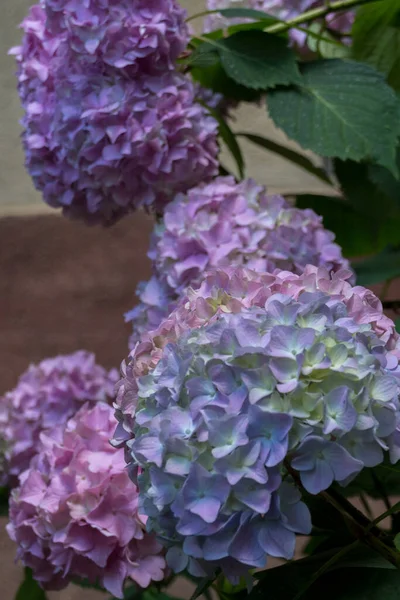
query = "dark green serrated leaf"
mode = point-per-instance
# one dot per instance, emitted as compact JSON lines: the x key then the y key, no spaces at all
{"x":362,"y":193}
{"x":355,"y":233}
{"x":383,"y":266}
{"x":376,"y":38}
{"x":294,"y":157}
{"x":204,"y":55}
{"x":285,"y":582}
{"x":385,"y":181}
{"x":214,"y":78}
{"x":341,"y":109}
{"x":396,"y":541}
{"x":359,"y":584}
{"x":29,"y":588}
{"x":248,"y":13}
{"x":258,"y":60}
{"x":230,"y":140}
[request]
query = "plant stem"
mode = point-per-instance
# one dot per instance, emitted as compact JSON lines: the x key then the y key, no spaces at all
{"x":364,"y":530}
{"x":307,"y":16}
{"x":316,"y":13}
{"x":366,"y":505}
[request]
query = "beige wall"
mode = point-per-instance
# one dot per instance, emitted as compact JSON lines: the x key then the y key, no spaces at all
{"x":16,"y":191}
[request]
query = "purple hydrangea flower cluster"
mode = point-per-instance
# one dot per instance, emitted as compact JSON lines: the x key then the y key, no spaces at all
{"x":133,"y":35}
{"x":75,"y":514}
{"x":281,"y":9}
{"x":109,"y":124}
{"x":252,"y":376}
{"x":46,"y":395}
{"x":225,"y":223}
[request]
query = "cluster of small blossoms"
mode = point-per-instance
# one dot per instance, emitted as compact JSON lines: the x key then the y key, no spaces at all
{"x":75,"y":514}
{"x":46,"y":395}
{"x":109,"y":123}
{"x":281,"y":9}
{"x":253,"y":374}
{"x":225,"y":223}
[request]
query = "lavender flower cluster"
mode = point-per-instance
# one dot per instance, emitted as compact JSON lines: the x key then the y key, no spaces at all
{"x":225,"y":223}
{"x":75,"y":514}
{"x":46,"y":395}
{"x":254,"y":375}
{"x":340,"y":23}
{"x":109,"y":123}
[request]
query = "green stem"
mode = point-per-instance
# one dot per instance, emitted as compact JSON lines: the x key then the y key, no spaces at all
{"x":366,"y":505}
{"x":308,"y":15}
{"x":363,"y":529}
{"x":316,"y":13}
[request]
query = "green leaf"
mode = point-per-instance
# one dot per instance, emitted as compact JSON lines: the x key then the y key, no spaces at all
{"x":258,"y":60}
{"x":321,"y":42}
{"x":29,"y":588}
{"x":362,"y":193}
{"x":214,"y":78}
{"x":299,"y":159}
{"x":380,"y":267}
{"x":152,"y":594}
{"x":359,"y":584}
{"x":204,"y":55}
{"x":388,"y":474}
{"x":230,"y":140}
{"x":284,"y":582}
{"x":203,"y":585}
{"x":376,"y":38}
{"x":247,"y":13}
{"x":396,"y":541}
{"x":356,"y":233}
{"x":86,"y":584}
{"x":385,"y":181}
{"x":341,"y":109}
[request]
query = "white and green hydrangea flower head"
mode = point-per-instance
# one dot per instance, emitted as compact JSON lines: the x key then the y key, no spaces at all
{"x":251,"y":377}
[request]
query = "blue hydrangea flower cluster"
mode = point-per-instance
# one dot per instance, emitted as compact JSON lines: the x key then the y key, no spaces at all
{"x":305,"y":380}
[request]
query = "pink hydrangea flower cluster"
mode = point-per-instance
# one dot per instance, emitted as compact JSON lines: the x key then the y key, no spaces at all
{"x":75,"y":514}
{"x":231,"y":290}
{"x":109,"y":124}
{"x":225,"y":223}
{"x":46,"y":395}
{"x":281,"y":9}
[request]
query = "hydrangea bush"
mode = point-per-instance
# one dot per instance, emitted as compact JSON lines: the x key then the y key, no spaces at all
{"x":258,"y":409}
